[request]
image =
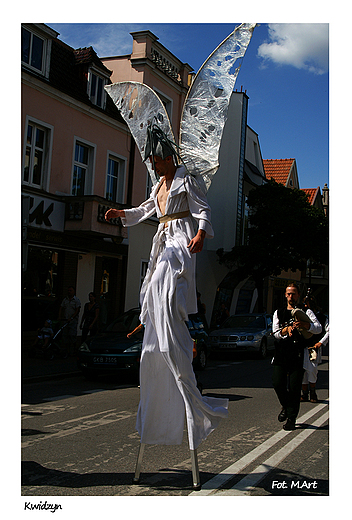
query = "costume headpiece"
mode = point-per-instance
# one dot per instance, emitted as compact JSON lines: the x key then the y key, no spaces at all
{"x":157,"y":143}
{"x":204,"y":112}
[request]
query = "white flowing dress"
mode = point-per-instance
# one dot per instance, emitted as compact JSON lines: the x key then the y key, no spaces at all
{"x":168,"y":295}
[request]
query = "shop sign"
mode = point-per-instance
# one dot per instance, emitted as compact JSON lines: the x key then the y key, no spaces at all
{"x":46,"y":213}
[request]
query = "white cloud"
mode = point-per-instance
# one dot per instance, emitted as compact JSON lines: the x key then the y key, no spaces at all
{"x":302,"y":45}
{"x":113,"y":40}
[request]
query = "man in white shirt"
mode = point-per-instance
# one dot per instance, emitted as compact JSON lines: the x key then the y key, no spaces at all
{"x":288,"y":358}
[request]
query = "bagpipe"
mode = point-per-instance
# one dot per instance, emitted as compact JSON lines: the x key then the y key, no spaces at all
{"x":297,"y":315}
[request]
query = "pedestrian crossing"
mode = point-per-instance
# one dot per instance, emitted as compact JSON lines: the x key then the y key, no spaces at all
{"x":248,"y":483}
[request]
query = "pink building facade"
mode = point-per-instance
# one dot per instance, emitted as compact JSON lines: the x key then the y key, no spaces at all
{"x":78,"y":159}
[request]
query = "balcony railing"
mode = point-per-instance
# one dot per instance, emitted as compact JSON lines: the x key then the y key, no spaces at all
{"x":87,"y":214}
{"x":165,"y":65}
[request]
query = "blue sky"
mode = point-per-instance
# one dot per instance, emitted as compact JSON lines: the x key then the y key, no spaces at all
{"x":284,"y":71}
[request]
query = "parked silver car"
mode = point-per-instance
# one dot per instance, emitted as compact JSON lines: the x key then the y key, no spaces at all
{"x":244,"y":332}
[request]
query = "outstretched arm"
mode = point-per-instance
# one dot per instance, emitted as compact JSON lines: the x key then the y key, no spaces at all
{"x":114,"y":213}
{"x":196,"y":244}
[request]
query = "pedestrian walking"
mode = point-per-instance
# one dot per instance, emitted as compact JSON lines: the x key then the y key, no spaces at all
{"x":290,"y":343}
{"x":89,"y":321}
{"x":69,"y":311}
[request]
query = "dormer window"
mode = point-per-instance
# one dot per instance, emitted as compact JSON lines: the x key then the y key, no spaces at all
{"x":36,"y":47}
{"x":96,"y":90}
{"x":32,"y":49}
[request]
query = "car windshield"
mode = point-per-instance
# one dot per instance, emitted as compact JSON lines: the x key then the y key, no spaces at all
{"x":244,"y":322}
{"x":125,"y":323}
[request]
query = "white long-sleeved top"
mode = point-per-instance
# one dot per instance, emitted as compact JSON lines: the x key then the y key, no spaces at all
{"x":167,"y":382}
{"x":325,"y":338}
{"x":315,"y":326}
{"x":184,"y":195}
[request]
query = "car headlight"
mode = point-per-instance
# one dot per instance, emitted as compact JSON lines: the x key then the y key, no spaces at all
{"x":84,"y":347}
{"x":250,"y":338}
{"x":137,"y":347}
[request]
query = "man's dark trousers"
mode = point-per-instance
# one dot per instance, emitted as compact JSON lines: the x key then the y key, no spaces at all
{"x":287,"y":385}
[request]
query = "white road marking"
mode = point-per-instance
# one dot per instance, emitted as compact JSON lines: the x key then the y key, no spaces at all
{"x":84,"y":392}
{"x":248,"y":483}
{"x":108,"y":418}
{"x":80,"y":419}
{"x":40,"y":409}
{"x":212,"y":485}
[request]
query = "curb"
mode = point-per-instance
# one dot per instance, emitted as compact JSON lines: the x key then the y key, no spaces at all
{"x":47,"y":377}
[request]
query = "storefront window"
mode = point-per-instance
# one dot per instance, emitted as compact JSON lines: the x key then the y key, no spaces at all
{"x":40,"y":278}
{"x":39,"y":288}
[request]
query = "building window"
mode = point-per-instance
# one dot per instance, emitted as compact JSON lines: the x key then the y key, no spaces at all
{"x":33,"y":49}
{"x":115,"y":179}
{"x":96,"y":92}
{"x":40,"y":279}
{"x":314,"y":270}
{"x":82,"y":169}
{"x":37,"y":155}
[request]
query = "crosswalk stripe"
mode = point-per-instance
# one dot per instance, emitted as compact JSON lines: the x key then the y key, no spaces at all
{"x":227,"y":474}
{"x":82,"y":425}
{"x":245,"y":485}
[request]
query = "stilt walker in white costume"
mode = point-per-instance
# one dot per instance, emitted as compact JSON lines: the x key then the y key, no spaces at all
{"x":181,"y":175}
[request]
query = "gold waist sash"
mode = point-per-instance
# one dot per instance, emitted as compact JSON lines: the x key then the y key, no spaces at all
{"x":173,"y":216}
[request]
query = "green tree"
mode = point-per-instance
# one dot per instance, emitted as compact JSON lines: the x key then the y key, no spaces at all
{"x":284,"y":232}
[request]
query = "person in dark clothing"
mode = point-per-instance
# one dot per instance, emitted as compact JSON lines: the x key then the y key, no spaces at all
{"x":89,"y":322}
{"x":288,"y":359}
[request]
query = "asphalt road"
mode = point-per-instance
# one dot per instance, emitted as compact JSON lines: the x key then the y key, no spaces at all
{"x":79,"y":439}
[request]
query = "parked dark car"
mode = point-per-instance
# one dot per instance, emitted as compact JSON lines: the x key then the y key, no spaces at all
{"x":244,"y":332}
{"x":112,"y":351}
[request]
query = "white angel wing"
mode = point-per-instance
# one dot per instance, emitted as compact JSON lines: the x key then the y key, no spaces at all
{"x":138,"y":105}
{"x":206,"y":105}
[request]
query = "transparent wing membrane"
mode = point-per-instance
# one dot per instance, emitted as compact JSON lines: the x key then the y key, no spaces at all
{"x":139,"y":105}
{"x":206,"y":106}
{"x":204,"y":112}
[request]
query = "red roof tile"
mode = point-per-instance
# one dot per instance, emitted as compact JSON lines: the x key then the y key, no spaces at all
{"x":88,"y":55}
{"x":278,"y":169}
{"x":311,"y":194}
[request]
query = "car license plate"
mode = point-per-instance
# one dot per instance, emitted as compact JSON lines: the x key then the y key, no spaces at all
{"x":226,"y":345}
{"x":104,"y":359}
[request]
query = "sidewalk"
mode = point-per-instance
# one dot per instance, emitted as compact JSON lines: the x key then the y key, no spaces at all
{"x":36,"y":369}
